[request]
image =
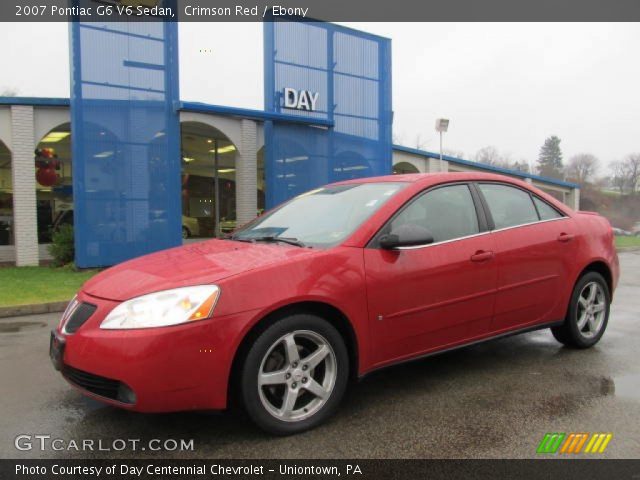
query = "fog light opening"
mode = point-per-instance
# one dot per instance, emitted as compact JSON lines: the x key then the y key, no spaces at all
{"x":125,"y":394}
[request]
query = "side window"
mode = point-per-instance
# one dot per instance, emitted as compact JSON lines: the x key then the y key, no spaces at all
{"x":509,"y":206}
{"x":546,"y":211}
{"x":447,"y":212}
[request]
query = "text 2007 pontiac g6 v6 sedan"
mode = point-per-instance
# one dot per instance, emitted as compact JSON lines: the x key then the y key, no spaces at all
{"x":331,"y":285}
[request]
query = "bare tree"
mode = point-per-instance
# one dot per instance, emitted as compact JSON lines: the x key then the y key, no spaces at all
{"x":618,"y":175}
{"x":490,"y":155}
{"x":632,"y":163}
{"x":454,"y":153}
{"x":582,"y":168}
{"x":397,"y":139}
{"x":521,"y":165}
{"x":9,"y":92}
{"x":626,"y":173}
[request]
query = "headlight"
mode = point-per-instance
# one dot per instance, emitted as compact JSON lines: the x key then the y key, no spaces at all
{"x":160,"y":309}
{"x":71,"y":306}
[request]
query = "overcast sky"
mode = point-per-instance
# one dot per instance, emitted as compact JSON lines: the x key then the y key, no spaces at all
{"x":509,"y":85}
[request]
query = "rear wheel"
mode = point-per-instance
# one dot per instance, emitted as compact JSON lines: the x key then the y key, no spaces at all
{"x":294,"y":375}
{"x":588,"y":313}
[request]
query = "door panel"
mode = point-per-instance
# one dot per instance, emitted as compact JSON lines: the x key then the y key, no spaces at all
{"x":429,"y":297}
{"x":533,"y":255}
{"x":533,"y":268}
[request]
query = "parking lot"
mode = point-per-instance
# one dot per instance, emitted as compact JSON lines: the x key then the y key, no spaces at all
{"x":497,"y":400}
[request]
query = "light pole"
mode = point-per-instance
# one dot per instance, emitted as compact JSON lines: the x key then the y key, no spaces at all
{"x":442,"y":125}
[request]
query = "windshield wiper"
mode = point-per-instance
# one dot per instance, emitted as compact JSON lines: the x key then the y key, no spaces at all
{"x":273,"y":239}
{"x":237,"y":239}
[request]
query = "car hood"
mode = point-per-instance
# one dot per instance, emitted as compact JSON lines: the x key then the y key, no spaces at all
{"x":196,"y":264}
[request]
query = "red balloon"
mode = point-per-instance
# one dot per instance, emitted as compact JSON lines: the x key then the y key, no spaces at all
{"x":47,"y":177}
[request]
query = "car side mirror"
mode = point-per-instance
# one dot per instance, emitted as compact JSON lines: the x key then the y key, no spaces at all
{"x":406,"y":237}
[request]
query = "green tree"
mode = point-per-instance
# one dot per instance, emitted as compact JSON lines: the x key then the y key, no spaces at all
{"x":550,"y":158}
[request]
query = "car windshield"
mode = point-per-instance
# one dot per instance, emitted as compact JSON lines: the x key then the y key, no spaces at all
{"x":320,"y":218}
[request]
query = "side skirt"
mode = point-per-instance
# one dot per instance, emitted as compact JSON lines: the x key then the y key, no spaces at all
{"x":510,"y":333}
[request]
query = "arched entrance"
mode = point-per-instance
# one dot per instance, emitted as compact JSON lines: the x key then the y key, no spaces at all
{"x":208,"y":158}
{"x":404,"y":167}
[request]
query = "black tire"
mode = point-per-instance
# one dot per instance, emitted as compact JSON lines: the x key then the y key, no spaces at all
{"x":569,"y":333}
{"x":250,"y":395}
{"x":185,"y":232}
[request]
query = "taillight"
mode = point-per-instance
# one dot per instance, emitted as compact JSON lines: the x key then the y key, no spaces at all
{"x":612,"y":236}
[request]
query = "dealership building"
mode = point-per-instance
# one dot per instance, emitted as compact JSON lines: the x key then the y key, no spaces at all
{"x":136,"y":170}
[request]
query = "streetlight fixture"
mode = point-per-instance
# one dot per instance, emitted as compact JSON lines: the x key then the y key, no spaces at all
{"x":442,"y":125}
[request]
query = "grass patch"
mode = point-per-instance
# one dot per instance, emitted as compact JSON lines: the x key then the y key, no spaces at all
{"x":622,"y":242}
{"x":29,"y":285}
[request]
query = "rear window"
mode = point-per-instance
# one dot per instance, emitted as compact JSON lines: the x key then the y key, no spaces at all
{"x":509,"y":206}
{"x":546,"y":211}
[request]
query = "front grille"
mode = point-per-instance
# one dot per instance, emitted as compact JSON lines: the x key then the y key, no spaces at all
{"x":80,"y":315}
{"x":102,"y":386}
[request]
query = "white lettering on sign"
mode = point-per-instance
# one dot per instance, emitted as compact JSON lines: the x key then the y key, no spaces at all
{"x":300,"y":100}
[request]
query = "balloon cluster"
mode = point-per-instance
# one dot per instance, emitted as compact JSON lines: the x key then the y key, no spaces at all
{"x":46,"y":165}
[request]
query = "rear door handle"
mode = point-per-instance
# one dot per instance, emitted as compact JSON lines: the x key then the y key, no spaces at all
{"x":565,"y":237}
{"x":481,"y":256}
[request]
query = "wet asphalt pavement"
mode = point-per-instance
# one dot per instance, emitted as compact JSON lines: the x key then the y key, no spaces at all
{"x":494,"y":400}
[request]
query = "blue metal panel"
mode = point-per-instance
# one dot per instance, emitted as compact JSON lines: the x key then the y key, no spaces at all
{"x":351,"y":72}
{"x":125,"y":140}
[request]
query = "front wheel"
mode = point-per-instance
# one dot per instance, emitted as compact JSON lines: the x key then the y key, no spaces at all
{"x":588,"y":313}
{"x":294,"y":375}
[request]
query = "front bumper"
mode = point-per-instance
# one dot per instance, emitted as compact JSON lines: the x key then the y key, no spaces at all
{"x":181,"y":367}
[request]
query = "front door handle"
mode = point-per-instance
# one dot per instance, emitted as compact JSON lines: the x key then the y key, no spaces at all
{"x":481,"y":256}
{"x":565,"y":237}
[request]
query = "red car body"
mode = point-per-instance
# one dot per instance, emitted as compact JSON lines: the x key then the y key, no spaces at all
{"x":394,"y":306}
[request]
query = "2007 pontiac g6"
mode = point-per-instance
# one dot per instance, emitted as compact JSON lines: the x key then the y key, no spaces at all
{"x":331,"y":285}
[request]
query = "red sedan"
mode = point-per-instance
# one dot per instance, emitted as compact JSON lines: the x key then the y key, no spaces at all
{"x":331,"y":285}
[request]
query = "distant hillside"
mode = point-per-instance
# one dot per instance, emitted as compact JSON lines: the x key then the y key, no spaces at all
{"x":623,"y":211}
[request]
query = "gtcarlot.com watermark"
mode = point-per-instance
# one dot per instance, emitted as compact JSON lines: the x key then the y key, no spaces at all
{"x":45,"y":442}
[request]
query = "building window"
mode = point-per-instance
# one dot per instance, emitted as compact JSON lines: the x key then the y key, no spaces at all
{"x":6,"y":197}
{"x":54,"y":197}
{"x":199,"y":143}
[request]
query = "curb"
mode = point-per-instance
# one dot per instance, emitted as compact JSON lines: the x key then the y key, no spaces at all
{"x":34,"y":309}
{"x":628,"y":249}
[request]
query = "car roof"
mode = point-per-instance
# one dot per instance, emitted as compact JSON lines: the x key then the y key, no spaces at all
{"x":433,"y":178}
{"x":420,"y":181}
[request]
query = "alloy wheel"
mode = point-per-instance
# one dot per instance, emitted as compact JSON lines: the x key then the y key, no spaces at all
{"x":591,"y":311}
{"x":297,"y":375}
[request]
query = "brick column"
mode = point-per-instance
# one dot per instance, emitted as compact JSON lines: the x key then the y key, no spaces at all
{"x":247,"y":173}
{"x":24,"y":185}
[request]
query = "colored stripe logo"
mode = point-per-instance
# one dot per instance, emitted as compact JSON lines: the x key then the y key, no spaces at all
{"x":574,"y":443}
